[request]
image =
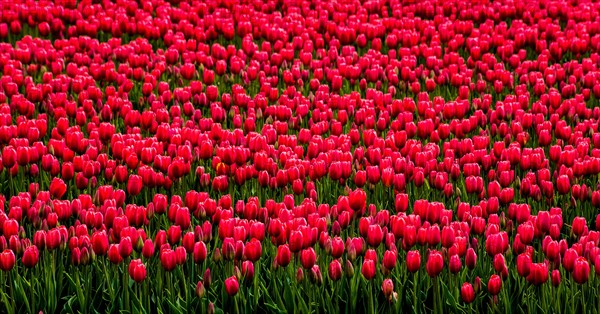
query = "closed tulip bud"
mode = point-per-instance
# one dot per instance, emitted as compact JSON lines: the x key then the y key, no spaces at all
{"x":349,"y":269}
{"x":299,"y":275}
{"x":207,"y":278}
{"x":556,"y":278}
{"x":455,"y":264}
{"x":200,"y":290}
{"x":211,"y":308}
{"x":471,"y":259}
{"x":388,"y":288}
{"x":467,"y":293}
{"x":315,"y":275}
{"x":248,"y":270}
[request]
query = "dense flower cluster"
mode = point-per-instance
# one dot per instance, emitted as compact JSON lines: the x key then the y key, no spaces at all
{"x":299,"y":156}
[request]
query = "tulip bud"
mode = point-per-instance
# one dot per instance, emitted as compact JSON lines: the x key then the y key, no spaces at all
{"x":556,"y":278}
{"x":207,"y":278}
{"x":477,"y":284}
{"x":349,"y":269}
{"x":315,"y":275}
{"x":299,"y":274}
{"x":388,"y":289}
{"x":200,"y":291}
{"x":217,"y":255}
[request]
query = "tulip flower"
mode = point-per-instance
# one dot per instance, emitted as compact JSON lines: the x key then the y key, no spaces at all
{"x":413,"y":261}
{"x":30,"y":257}
{"x":494,"y":285}
{"x":232,"y":286}
{"x":467,"y":293}
{"x":335,"y":270}
{"x":435,"y":264}
{"x":581,"y":270}
{"x":368,"y":269}
{"x":137,"y":270}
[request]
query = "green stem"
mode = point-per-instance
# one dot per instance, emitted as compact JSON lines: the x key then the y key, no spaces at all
{"x":415,"y":288}
{"x":126,"y":290}
{"x":371,"y":302}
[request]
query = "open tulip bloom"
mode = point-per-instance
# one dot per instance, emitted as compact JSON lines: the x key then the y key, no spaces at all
{"x":299,"y":156}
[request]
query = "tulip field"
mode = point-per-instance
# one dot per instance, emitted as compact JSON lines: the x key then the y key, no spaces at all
{"x":299,"y":156}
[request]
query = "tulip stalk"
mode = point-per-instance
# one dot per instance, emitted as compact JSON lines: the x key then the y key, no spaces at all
{"x":415,"y":289}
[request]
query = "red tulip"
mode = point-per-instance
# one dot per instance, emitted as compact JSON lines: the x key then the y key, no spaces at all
{"x":58,"y":188}
{"x":296,"y":241}
{"x":100,"y":243}
{"x":148,"y":249}
{"x":283,"y":255}
{"x":455,"y":264}
{"x":114,"y":256}
{"x":137,"y":270}
{"x":579,"y":226}
{"x":374,"y":235}
{"x":200,"y":290}
{"x":538,"y":274}
{"x":494,"y":285}
{"x":232,"y":286}
{"x":7,"y":260}
{"x":368,"y":269}
{"x":435,"y":264}
{"x":556,"y":278}
{"x":134,"y":185}
{"x":253,"y":250}
{"x":335,"y":270}
{"x":563,"y":184}
{"x":389,"y":260}
{"x":471,"y":259}
{"x":199,"y":252}
{"x":358,"y":200}
{"x":413,"y":261}
{"x":168,"y":259}
{"x":337,"y":247}
{"x":467,"y":293}
{"x":30,"y":257}
{"x":308,"y":258}
{"x":248,"y":270}
{"x":581,"y":270}
{"x":387,"y":288}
